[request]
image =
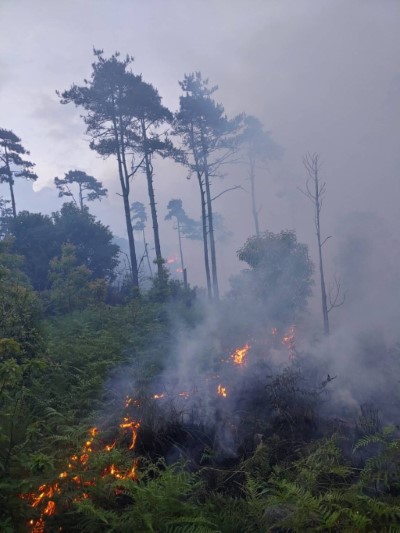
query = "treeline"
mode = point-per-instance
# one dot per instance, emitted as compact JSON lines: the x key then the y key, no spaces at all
{"x":126,"y":120}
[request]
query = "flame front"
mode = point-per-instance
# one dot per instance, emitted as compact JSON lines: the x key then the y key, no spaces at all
{"x":44,"y":497}
{"x":239,"y":354}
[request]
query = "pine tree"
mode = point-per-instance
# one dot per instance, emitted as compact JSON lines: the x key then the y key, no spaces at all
{"x":13,"y":164}
{"x":89,"y":188}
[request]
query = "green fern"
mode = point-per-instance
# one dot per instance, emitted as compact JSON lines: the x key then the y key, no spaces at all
{"x":191,"y":525}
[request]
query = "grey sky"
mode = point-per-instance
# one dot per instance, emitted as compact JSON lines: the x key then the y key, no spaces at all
{"x":322,"y":75}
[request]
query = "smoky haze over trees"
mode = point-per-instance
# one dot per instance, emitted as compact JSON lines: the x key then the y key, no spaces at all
{"x":258,"y":148}
{"x":136,"y":397}
{"x":210,"y":142}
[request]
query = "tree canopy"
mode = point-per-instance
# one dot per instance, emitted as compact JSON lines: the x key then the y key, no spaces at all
{"x":107,"y":101}
{"x":13,"y":165}
{"x":39,"y":238}
{"x":279,"y":280}
{"x":89,"y":188}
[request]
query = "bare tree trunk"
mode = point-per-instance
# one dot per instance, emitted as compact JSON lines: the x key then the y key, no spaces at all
{"x":253,"y":195}
{"x":149,"y":176}
{"x":323,"y":287}
{"x":80,"y":197}
{"x":316,"y":192}
{"x":318,"y":200}
{"x":211,"y":235}
{"x":10,"y":182}
{"x":14,"y":208}
{"x":131,"y":240}
{"x":203,"y":213}
{"x":147,"y":253}
{"x":180,"y":248}
{"x":125,"y":186}
{"x":205,"y":236}
{"x":210,"y":219}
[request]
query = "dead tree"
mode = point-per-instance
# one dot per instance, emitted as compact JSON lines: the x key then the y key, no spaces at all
{"x":315,"y":192}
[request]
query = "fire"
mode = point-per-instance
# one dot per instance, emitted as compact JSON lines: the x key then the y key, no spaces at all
{"x":38,"y":526}
{"x":184,"y":394}
{"x":43,"y":499}
{"x":221,"y":391}
{"x":158,"y":396}
{"x":133,"y":426}
{"x":289,"y":340}
{"x":239,"y":354}
{"x":128,"y":401}
{"x":50,"y":508}
{"x":119,"y":474}
{"x":274,"y":332}
{"x":131,"y":401}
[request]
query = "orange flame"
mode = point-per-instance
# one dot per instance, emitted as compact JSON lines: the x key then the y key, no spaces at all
{"x":43,"y":499}
{"x":109,"y":447}
{"x":87,"y":447}
{"x":118,"y":474}
{"x":133,"y":426}
{"x":239,"y":354}
{"x":221,"y":391}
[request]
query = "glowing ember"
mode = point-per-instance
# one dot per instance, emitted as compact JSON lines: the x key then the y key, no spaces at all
{"x":128,"y":401}
{"x":38,"y":526}
{"x":50,"y":508}
{"x":289,"y":340}
{"x":109,"y":447}
{"x":184,"y":394}
{"x":132,"y":473}
{"x":239,"y":354}
{"x":87,"y":447}
{"x":221,"y":391}
{"x":158,"y":396}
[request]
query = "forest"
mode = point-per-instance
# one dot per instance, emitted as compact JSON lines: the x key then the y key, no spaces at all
{"x":133,"y":401}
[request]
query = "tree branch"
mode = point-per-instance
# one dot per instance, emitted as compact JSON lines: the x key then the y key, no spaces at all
{"x":335,"y":298}
{"x":227,"y":190}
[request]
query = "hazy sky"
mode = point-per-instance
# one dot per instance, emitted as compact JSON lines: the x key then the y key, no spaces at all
{"x":322,"y":75}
